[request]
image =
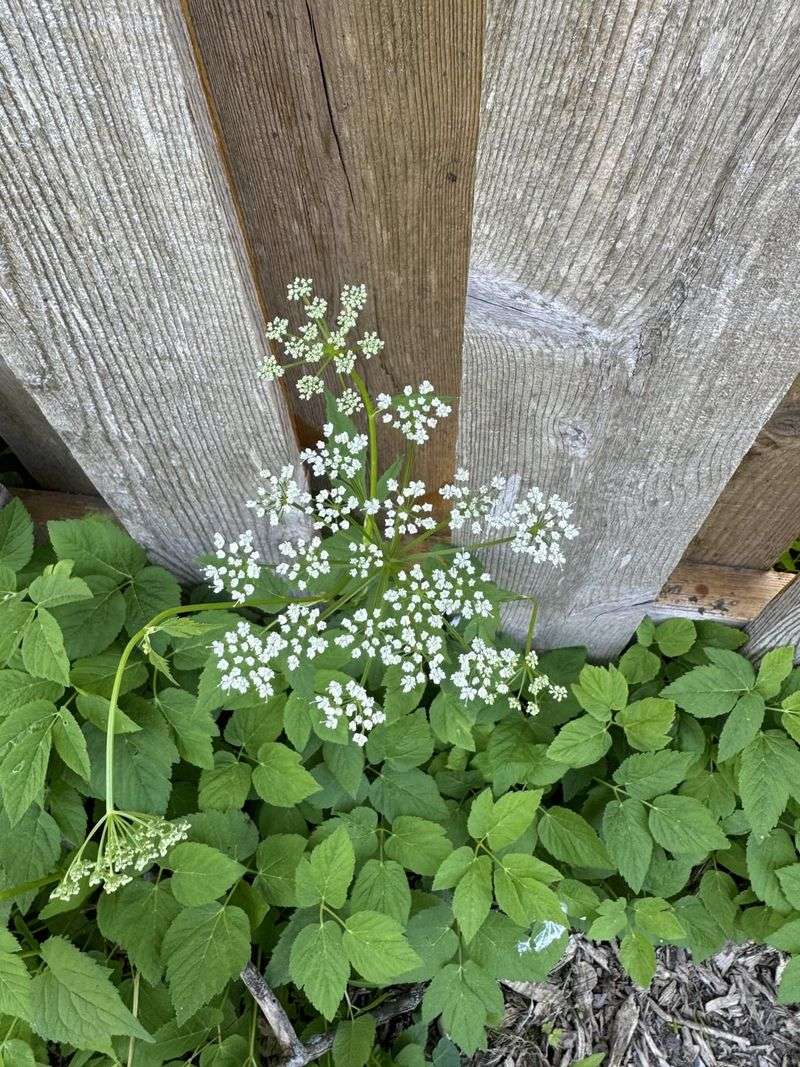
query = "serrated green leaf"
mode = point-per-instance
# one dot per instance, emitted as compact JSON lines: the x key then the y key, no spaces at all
{"x":639,"y":665}
{"x":70,"y":743}
{"x":319,"y":966}
{"x":203,"y":949}
{"x":789,"y":984}
{"x":55,"y":586}
{"x":419,"y":845}
{"x":466,"y":998}
{"x":580,"y":742}
{"x":382,"y":886}
{"x":90,"y":626}
{"x":472,"y":898}
{"x":137,"y":916}
{"x":43,"y":649}
{"x":707,"y":691}
{"x":353,"y":1041}
{"x":453,"y":867}
{"x":280,"y":778}
{"x":74,"y":1002}
{"x":15,"y":617}
{"x":411,"y":792}
{"x":789,"y":880}
{"x":15,"y":979}
{"x":521,"y":892}
{"x":611,"y":920}
{"x":18,"y":689}
{"x":277,"y":858}
{"x":764,"y":857}
{"x":25,"y":740}
{"x":326,"y":874}
{"x":200,"y":873}
{"x":193,"y":727}
{"x":741,"y":726}
{"x":376,"y":946}
{"x":683,"y":826}
{"x":638,"y":957}
{"x":628,"y":840}
{"x":647,"y":774}
{"x":16,"y":535}
{"x":569,"y":837}
{"x":152,"y":591}
{"x":675,"y":637}
{"x":601,"y":690}
{"x":646,"y":723}
{"x":656,"y":918}
{"x":774,"y":669}
{"x":769,"y":771}
{"x":225,"y":786}
{"x":142,"y":768}
{"x":97,"y":546}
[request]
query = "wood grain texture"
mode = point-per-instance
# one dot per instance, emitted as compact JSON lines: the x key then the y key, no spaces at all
{"x":350,"y":133}
{"x":778,"y":624}
{"x":632,"y":318}
{"x":126,"y":313}
{"x":757,"y":515}
{"x":726,"y":594}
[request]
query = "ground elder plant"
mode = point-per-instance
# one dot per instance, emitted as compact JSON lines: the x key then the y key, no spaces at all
{"x":322,"y":804}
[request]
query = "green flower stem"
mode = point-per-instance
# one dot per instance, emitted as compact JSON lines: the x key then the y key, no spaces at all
{"x":135,"y":1013}
{"x":372,"y":434}
{"x":133,"y":643}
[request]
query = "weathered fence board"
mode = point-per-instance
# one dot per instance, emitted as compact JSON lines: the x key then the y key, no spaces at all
{"x":757,"y":516}
{"x":778,"y":624}
{"x":350,"y":132}
{"x":125,"y":310}
{"x":632,"y":314}
{"x":727,"y":594}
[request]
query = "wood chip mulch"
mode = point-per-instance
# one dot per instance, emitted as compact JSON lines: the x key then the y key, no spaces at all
{"x":719,"y":1013}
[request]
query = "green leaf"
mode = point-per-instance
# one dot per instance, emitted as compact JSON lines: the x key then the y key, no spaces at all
{"x":280,"y":778}
{"x":193,"y":727}
{"x":319,"y":966}
{"x":277,"y":859}
{"x":200,"y":874}
{"x":346,"y":764}
{"x":43,"y":649}
{"x":741,"y":726}
{"x":16,"y":536}
{"x":90,"y":626}
{"x":15,"y":617}
{"x":412,"y":792}
{"x":326,"y":874}
{"x":142,"y":768}
{"x":707,"y":691}
{"x":789,"y":879}
{"x":75,"y":1003}
{"x":628,"y":840}
{"x":569,"y":837}
{"x":137,"y":916}
{"x":42,"y":837}
{"x":646,"y":723}
{"x":97,"y":546}
{"x":466,"y":998}
{"x":453,"y":867}
{"x":719,"y":635}
{"x":612,"y":918}
{"x":520,"y":890}
{"x":601,"y":690}
{"x":15,"y":979}
{"x":405,"y":743}
{"x":789,"y":985}
{"x":473,"y":896}
{"x":298,"y":719}
{"x":774,"y":669}
{"x":451,"y":722}
{"x":770,"y":769}
{"x":646,"y":775}
{"x":96,"y":674}
{"x":638,"y":957}
{"x":376,"y":947}
{"x":674,"y":637}
{"x":55,"y":586}
{"x":655,"y":918}
{"x":25,"y":738}
{"x":70,"y":743}
{"x":353,"y":1041}
{"x":639,"y":665}
{"x":203,"y":949}
{"x":417,"y":844}
{"x":764,"y":857}
{"x":152,"y":591}
{"x":581,"y":742}
{"x":382,"y":886}
{"x":225,"y":786}
{"x":18,"y":689}
{"x":683,"y":826}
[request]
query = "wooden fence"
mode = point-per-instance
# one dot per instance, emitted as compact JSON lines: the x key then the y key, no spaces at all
{"x":583,"y":221}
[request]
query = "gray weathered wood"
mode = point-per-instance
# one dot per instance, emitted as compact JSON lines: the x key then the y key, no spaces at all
{"x":350,"y":130}
{"x":127,"y":312}
{"x":778,"y":624}
{"x":632,"y":319}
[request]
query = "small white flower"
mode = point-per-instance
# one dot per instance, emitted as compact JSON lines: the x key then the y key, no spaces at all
{"x":277,"y":329}
{"x":338,"y":456}
{"x":352,"y":702}
{"x":349,"y":402}
{"x":364,"y":557}
{"x":316,"y":308}
{"x":270,"y":370}
{"x":301,"y":628}
{"x":370,"y":345}
{"x":244,"y":658}
{"x":402,"y":514}
{"x":236,"y":568}
{"x":309,"y":385}
{"x":277,"y":494}
{"x":344,"y":361}
{"x":415,"y":412}
{"x":541,"y":526}
{"x":299,"y":289}
{"x":485,"y":673}
{"x":475,"y":509}
{"x":308,"y":560}
{"x":331,"y":508}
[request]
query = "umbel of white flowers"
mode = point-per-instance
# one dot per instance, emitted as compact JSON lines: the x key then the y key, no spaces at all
{"x":415,"y":603}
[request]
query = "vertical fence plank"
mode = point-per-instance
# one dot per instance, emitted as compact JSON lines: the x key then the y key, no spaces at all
{"x":778,"y":624}
{"x":125,"y":311}
{"x":757,"y":515}
{"x":350,"y":132}
{"x":632,"y":316}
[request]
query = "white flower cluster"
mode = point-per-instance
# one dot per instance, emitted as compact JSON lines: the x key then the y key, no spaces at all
{"x":414,"y":641}
{"x":461,"y":590}
{"x":301,"y":630}
{"x":314,"y":344}
{"x":237,"y":567}
{"x":352,"y":702}
{"x":307,"y":560}
{"x":244,"y":658}
{"x":340,"y":455}
{"x":413,"y":413}
{"x":362,"y":634}
{"x":402,"y":514}
{"x":364,"y":557}
{"x":277,"y":494}
{"x":348,"y":402}
{"x":129,"y":844}
{"x":485,"y":673}
{"x":537,"y":525}
{"x":331,"y":508}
